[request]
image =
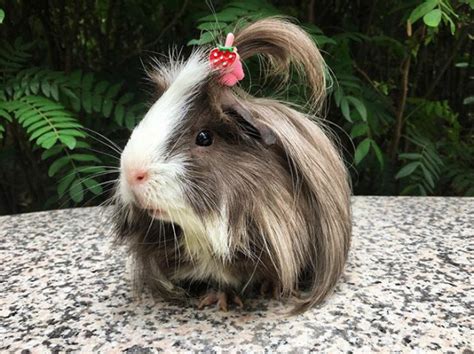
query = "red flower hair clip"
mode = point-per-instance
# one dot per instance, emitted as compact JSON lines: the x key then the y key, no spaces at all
{"x":227,"y":60}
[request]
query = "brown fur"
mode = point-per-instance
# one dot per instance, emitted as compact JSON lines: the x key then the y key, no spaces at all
{"x":283,"y":184}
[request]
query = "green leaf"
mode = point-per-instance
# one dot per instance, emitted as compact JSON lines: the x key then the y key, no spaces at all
{"x":72,"y":132}
{"x":359,"y":129}
{"x":90,"y":169}
{"x":75,"y":78}
{"x":76,"y":191}
{"x":6,"y":115}
{"x":48,"y":143}
{"x":421,"y":10}
{"x":100,"y":88}
{"x":378,"y":153}
{"x":51,"y":152}
{"x":468,"y":100}
{"x":130,"y":120}
{"x":322,"y":40}
{"x":125,"y":99}
{"x":362,"y":150}
{"x":410,"y":156}
{"x":345,"y":109}
{"x":463,"y":64}
{"x":206,"y":37}
{"x":249,"y":5}
{"x":211,"y":26}
{"x":87,"y":82}
{"x":57,"y":165}
{"x":338,"y":95}
{"x":360,"y":107}
{"x":93,"y":186}
{"x":64,"y":183}
{"x":46,"y":88}
{"x":407,"y":169}
{"x":84,"y":157}
{"x":46,"y":136}
{"x":69,"y":141}
{"x":107,"y":108}
{"x":2,"y":16}
{"x":35,"y":124}
{"x":113,"y":91}
{"x":119,"y":114}
{"x":54,"y":91}
{"x":40,"y":132}
{"x":432,"y":18}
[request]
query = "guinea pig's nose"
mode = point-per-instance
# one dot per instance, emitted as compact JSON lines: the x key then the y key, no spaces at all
{"x":137,"y":176}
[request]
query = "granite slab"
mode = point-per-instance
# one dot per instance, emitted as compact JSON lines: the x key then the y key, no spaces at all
{"x":408,"y":286}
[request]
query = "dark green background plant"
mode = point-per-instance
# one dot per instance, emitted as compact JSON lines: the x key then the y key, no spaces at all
{"x":72,"y":87}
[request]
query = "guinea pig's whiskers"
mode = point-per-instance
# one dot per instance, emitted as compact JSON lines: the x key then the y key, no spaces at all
{"x":85,"y":169}
{"x":82,"y":180}
{"x":177,"y":251}
{"x":144,"y":242}
{"x":91,"y":199}
{"x":103,"y":153}
{"x":106,"y":141}
{"x":105,"y":191}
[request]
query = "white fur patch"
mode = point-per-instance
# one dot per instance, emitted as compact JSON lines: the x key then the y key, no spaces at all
{"x":147,"y":144}
{"x":206,"y":239}
{"x":205,"y":243}
{"x":148,"y":141}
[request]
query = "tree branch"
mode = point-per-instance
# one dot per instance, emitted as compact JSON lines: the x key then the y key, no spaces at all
{"x":401,"y":108}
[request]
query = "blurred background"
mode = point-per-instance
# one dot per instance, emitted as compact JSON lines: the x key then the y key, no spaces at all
{"x":73,"y":85}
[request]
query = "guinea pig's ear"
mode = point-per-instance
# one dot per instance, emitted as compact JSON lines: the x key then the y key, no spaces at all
{"x":245,"y":119}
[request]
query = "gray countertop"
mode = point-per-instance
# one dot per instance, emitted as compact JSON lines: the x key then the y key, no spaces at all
{"x":408,"y":285}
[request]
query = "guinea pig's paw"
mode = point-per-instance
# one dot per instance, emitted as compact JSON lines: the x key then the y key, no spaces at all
{"x":221,"y":299}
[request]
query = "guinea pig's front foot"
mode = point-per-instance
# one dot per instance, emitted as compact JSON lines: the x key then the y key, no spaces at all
{"x":220,"y":298}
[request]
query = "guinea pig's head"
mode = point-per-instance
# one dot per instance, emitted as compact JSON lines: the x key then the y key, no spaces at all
{"x":196,"y":150}
{"x":156,"y":161}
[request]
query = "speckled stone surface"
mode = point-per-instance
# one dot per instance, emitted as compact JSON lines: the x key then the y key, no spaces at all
{"x":408,"y":286}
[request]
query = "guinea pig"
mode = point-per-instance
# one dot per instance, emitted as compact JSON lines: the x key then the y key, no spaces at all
{"x":232,"y":192}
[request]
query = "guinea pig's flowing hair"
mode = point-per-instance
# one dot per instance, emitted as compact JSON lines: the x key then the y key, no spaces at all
{"x":295,"y":227}
{"x":321,"y":187}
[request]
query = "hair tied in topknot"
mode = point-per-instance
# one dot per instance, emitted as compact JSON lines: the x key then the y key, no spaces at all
{"x":226,"y":59}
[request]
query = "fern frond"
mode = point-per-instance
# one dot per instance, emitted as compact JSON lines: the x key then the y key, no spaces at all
{"x":235,"y":13}
{"x":423,"y":168}
{"x":103,"y":98}
{"x":14,"y":57}
{"x":5,"y":117}
{"x":47,"y":122}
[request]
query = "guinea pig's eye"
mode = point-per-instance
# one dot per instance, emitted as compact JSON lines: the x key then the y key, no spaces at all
{"x":204,"y":138}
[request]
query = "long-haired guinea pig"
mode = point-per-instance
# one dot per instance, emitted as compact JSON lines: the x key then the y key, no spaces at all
{"x":232,"y":192}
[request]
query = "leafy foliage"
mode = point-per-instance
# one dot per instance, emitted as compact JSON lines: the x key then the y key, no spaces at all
{"x":368,"y":107}
{"x":48,"y":105}
{"x":422,"y":169}
{"x":400,"y":75}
